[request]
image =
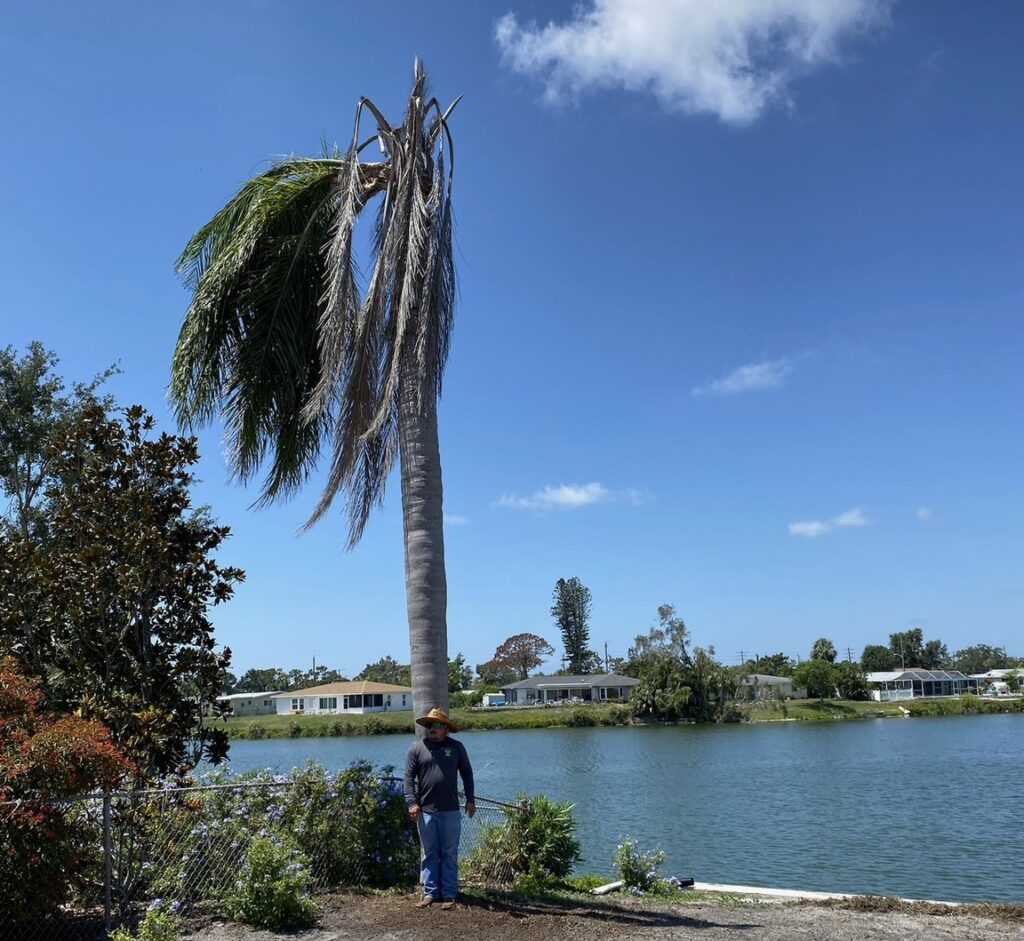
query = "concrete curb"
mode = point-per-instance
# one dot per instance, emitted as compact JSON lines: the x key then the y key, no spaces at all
{"x":796,"y":894}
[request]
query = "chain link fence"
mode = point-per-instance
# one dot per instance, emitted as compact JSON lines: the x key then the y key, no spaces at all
{"x":187,"y":846}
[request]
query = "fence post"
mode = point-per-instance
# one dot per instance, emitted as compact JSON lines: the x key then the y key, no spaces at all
{"x":108,"y":864}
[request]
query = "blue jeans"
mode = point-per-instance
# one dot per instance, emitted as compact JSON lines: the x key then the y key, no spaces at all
{"x":439,"y":837}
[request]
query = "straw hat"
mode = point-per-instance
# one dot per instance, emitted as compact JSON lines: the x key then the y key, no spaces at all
{"x":437,"y":715}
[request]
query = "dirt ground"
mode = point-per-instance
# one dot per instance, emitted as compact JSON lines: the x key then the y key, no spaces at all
{"x":393,"y":918}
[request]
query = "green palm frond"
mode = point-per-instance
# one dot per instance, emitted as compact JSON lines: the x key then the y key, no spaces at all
{"x":277,"y":339}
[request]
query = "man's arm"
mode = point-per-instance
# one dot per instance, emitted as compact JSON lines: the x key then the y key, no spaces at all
{"x":412,"y":764}
{"x":466,"y":773}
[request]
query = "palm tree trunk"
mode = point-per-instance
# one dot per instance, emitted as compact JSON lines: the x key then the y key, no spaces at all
{"x":426,"y":587}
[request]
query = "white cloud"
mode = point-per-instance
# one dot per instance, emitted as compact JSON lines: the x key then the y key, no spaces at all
{"x":768,"y":374}
{"x":923,"y":513}
{"x":730,"y":58}
{"x":854,"y":517}
{"x":811,"y":529}
{"x":453,"y":519}
{"x":562,"y":497}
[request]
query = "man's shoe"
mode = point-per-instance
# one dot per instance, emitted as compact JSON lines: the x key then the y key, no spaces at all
{"x":425,"y":902}
{"x":447,"y":905}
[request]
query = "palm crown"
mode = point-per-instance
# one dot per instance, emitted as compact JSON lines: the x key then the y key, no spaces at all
{"x":279,"y":338}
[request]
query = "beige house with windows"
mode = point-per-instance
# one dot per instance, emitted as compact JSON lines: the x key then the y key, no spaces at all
{"x":353,"y":698}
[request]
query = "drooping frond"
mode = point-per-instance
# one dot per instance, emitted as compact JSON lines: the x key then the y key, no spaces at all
{"x":276,"y":338}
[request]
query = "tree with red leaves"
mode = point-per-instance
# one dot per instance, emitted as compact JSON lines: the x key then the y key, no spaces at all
{"x":45,"y":759}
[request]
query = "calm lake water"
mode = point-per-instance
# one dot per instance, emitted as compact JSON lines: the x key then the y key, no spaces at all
{"x":926,"y":808}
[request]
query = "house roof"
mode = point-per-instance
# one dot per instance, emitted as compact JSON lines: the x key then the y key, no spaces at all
{"x":999,"y":674}
{"x":351,"y":688}
{"x":765,"y":679}
{"x":889,"y":676}
{"x":233,"y":697}
{"x":567,"y":682}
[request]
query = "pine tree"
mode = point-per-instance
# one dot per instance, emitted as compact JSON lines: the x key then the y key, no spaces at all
{"x":571,"y":611}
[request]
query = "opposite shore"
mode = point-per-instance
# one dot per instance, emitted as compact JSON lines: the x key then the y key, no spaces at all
{"x":583,"y":716}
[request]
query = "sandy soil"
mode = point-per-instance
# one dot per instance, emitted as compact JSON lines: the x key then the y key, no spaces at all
{"x":393,"y":918}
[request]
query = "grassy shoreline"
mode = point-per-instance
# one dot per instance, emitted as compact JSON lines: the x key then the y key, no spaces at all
{"x":401,"y":723}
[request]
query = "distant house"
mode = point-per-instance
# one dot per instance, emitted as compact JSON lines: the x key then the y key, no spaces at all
{"x":762,"y":686}
{"x":352,"y":698}
{"x":250,"y":704}
{"x":599,"y":687}
{"x":913,"y":683}
{"x":993,"y":682}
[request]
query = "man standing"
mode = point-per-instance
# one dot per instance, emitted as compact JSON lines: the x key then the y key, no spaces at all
{"x":432,"y":769}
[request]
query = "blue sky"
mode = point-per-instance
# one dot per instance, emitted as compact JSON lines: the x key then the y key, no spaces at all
{"x":740,"y":319}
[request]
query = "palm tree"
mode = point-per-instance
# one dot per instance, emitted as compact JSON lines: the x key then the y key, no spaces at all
{"x":280,"y":342}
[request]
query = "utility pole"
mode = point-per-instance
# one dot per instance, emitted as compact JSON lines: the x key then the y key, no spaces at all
{"x":742,"y":658}
{"x":606,"y":656}
{"x":849,"y":655}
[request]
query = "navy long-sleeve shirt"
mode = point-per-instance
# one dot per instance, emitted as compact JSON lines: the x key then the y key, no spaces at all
{"x":432,"y":770}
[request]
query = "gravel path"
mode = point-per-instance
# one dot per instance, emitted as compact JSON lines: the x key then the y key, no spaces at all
{"x":374,"y":918}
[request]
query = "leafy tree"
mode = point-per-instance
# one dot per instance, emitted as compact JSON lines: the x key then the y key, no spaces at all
{"x":522,"y":653}
{"x":571,"y":611}
{"x":776,"y":664}
{"x":386,"y":670}
{"x":664,"y":690}
{"x":980,"y":658}
{"x":1014,"y":680}
{"x":712,"y":684}
{"x":113,"y":608}
{"x":824,"y":649}
{"x":877,"y":659}
{"x":818,"y":677}
{"x":494,"y":674}
{"x":35,"y":407}
{"x":460,"y":676}
{"x":936,"y":656}
{"x":850,"y":681}
{"x":669,"y":638}
{"x":45,"y":845}
{"x":909,"y":648}
{"x":228,"y":682}
{"x":269,"y":679}
{"x":278,"y":340}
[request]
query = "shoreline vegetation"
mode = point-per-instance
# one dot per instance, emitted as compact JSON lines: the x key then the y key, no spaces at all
{"x":584,"y":716}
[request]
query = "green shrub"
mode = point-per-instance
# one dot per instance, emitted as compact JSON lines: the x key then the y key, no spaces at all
{"x":636,"y":868}
{"x":615,"y":715}
{"x":585,"y":882}
{"x":353,"y":827}
{"x":256,"y":731}
{"x":970,"y":703}
{"x":340,"y":728}
{"x":354,"y":824}
{"x":272,"y":890}
{"x":159,"y":924}
{"x":295,"y":730}
{"x":374,"y":725}
{"x":580,"y":718}
{"x":536,"y":841}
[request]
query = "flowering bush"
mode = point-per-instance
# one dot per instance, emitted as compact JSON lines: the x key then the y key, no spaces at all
{"x":536,"y":842}
{"x":159,"y":924}
{"x":637,"y":869}
{"x":272,"y":890}
{"x":353,"y":827}
{"x":45,"y":847}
